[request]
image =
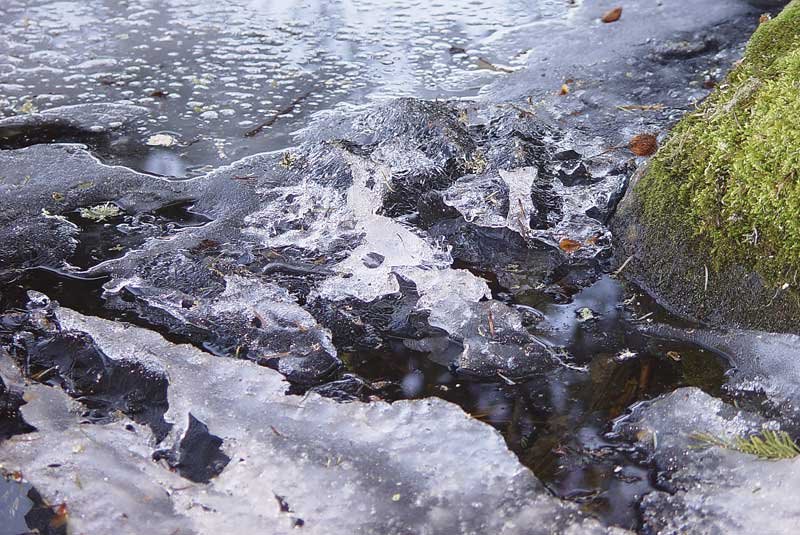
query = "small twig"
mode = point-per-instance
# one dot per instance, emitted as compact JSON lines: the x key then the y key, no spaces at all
{"x":486,"y":64}
{"x":522,"y":111}
{"x":280,"y":113}
{"x":641,"y":107}
{"x":705,"y":284}
{"x":612,"y":149}
{"x":387,"y":180}
{"x":522,"y":209}
{"x":39,"y":375}
{"x":623,"y":266}
{"x":509,"y":382}
{"x":491,"y":323}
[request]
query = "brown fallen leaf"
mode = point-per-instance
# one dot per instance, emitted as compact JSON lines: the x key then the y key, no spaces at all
{"x":569,"y":246}
{"x":61,"y":516}
{"x":593,"y":239}
{"x":643,"y":144}
{"x":612,"y":15}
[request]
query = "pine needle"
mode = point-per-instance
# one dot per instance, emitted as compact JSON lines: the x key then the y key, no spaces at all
{"x":770,"y":445}
{"x":766,"y":445}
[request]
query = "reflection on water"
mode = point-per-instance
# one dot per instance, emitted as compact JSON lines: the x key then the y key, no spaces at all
{"x":164,"y":163}
{"x":211,"y":70}
{"x":558,"y":423}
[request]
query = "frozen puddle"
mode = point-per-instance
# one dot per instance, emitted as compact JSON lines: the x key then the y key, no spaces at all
{"x":288,"y":299}
{"x":291,"y":460}
{"x":214,"y":70}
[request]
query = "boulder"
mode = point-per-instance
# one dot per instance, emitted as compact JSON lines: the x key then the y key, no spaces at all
{"x":712,"y":225}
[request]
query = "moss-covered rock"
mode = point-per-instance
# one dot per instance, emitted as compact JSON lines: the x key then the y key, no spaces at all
{"x":713,"y":223}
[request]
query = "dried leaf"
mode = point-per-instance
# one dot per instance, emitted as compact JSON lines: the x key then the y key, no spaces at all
{"x":564,"y":90}
{"x":585,"y":314}
{"x":612,"y":15}
{"x":569,"y":246}
{"x":643,"y":144}
{"x":61,"y":516}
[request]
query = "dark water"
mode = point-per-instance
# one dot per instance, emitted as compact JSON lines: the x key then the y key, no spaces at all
{"x":110,"y":237}
{"x":558,"y":424}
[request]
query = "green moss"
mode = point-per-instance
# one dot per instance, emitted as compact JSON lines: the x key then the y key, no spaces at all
{"x":728,"y":178}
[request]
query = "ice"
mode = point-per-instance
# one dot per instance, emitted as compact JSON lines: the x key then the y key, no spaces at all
{"x":248,"y":318}
{"x":294,"y":460}
{"x":765,"y":364}
{"x":78,"y":119}
{"x":716,"y":490}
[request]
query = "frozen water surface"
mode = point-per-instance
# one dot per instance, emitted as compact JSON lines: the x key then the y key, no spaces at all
{"x":213,"y":70}
{"x":350,"y":236}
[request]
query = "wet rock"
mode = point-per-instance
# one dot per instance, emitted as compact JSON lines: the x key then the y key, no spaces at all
{"x":44,"y":184}
{"x":318,"y":232}
{"x":11,"y":421}
{"x":45,"y":241}
{"x":725,"y":255}
{"x":687,"y":48}
{"x":540,"y":211}
{"x":423,"y":145}
{"x":190,"y":299}
{"x":71,"y":360}
{"x":374,"y":461}
{"x":714,"y":489}
{"x":62,"y":178}
{"x":198,"y":456}
{"x":366,"y":225}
